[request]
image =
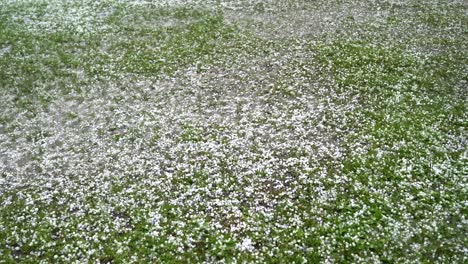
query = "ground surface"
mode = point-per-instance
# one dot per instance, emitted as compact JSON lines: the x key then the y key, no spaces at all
{"x":223,"y":131}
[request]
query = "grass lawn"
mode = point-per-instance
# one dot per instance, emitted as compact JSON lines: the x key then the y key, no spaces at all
{"x":240,"y":131}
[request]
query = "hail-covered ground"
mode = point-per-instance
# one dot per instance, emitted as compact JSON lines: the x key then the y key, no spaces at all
{"x":233,"y":131}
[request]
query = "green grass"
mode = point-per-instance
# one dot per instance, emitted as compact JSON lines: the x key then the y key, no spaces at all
{"x":135,"y":132}
{"x":68,"y":60}
{"x":409,"y":106}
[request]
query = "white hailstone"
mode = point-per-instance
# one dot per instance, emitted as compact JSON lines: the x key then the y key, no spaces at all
{"x":245,"y":245}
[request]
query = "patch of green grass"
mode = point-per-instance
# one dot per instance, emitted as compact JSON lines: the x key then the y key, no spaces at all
{"x":167,"y":50}
{"x":42,"y":65}
{"x":192,"y":133}
{"x":409,"y":105}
